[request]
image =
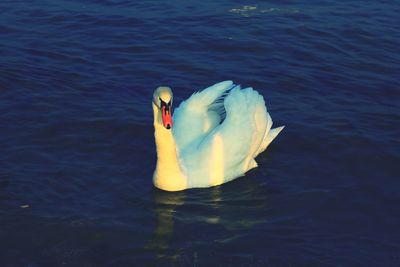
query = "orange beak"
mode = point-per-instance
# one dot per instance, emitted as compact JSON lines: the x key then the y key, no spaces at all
{"x":166,"y":117}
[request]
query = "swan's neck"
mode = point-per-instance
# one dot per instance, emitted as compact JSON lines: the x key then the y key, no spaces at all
{"x":168,"y":174}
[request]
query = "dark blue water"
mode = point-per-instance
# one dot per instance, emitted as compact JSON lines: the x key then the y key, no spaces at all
{"x":77,"y":148}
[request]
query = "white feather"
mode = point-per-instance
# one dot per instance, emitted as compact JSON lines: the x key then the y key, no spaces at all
{"x":219,"y":131}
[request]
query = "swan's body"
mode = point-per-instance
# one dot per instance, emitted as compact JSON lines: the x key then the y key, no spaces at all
{"x":203,"y":148}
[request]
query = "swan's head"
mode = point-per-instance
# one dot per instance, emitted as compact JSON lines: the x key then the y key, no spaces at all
{"x":162,"y":98}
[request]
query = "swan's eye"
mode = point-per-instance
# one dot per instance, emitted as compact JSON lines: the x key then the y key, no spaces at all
{"x":162,"y":103}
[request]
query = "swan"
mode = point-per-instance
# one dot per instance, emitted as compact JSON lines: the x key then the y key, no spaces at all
{"x":212,"y":137}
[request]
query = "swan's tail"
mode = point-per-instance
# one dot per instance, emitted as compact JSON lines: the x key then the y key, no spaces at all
{"x":268,"y":138}
{"x":272,"y":134}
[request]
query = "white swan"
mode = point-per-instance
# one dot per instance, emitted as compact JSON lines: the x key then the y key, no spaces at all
{"x":212,"y":138}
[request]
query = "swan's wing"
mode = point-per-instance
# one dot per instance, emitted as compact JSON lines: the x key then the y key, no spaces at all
{"x":246,"y":131}
{"x":243,"y":130}
{"x":199,"y":114}
{"x":229,"y":150}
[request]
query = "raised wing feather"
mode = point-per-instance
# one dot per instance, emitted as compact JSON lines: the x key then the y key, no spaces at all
{"x":198,"y":115}
{"x":242,"y":131}
{"x":228,"y":151}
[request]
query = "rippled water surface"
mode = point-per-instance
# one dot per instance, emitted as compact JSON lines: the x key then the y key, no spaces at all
{"x":77,"y":147}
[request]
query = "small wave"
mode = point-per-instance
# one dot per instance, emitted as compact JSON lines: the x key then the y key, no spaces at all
{"x":248,"y":10}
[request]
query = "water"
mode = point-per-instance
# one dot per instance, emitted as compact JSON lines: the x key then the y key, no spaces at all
{"x":77,"y":148}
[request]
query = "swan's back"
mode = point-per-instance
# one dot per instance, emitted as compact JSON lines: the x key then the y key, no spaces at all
{"x":229,"y":149}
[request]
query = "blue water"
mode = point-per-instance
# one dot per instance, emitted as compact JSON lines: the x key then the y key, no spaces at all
{"x":77,"y":147}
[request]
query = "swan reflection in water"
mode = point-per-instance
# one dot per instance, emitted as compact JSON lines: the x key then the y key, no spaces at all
{"x":165,"y":205}
{"x":236,"y":206}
